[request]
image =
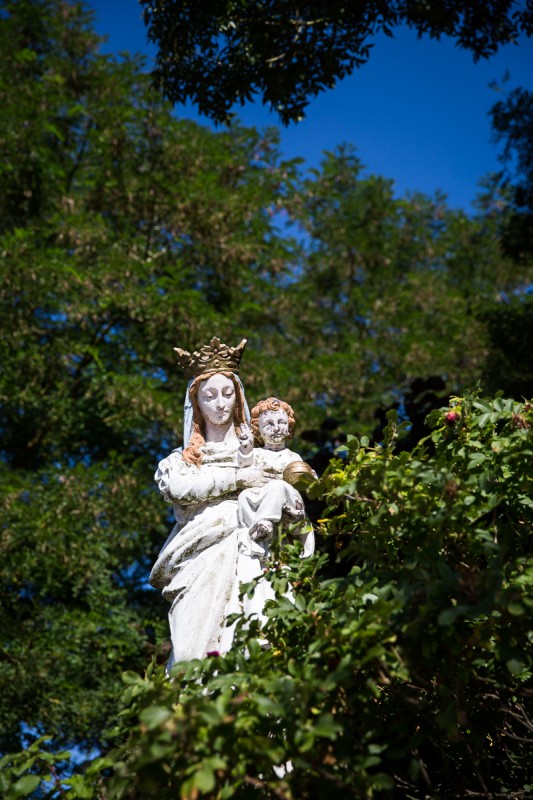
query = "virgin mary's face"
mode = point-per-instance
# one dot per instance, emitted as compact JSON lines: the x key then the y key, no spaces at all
{"x":216,"y":398}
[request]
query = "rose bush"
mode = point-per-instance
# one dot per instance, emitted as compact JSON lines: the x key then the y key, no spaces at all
{"x":400,"y":666}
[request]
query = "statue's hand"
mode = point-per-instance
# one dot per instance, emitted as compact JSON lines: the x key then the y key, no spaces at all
{"x":250,"y":477}
{"x":246,"y":439}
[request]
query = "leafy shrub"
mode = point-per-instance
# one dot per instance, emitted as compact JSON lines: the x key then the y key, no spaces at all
{"x":399,"y":666}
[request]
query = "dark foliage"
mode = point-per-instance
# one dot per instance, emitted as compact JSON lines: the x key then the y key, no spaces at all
{"x":221,"y":53}
{"x":512,"y":124}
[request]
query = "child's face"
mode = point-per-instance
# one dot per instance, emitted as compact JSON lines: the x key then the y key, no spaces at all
{"x":274,"y":427}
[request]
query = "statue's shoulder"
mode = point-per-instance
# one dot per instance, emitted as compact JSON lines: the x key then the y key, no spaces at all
{"x":291,"y":456}
{"x":286,"y":456}
{"x":173,"y":461}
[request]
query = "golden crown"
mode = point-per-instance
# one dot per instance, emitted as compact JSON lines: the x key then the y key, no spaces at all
{"x":212,"y":357}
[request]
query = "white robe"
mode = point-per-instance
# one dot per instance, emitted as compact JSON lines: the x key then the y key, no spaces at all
{"x":207,"y":555}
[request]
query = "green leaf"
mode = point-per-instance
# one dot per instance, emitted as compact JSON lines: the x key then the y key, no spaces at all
{"x":81,"y":788}
{"x":26,"y":785}
{"x":525,"y":500}
{"x":383,"y":781}
{"x":515,"y":666}
{"x":476,"y":459}
{"x":204,"y":778}
{"x":327,"y":727}
{"x":449,"y":615}
{"x":154,"y":716}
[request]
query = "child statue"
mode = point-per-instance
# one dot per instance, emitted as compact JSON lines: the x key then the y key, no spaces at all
{"x":261,"y":509}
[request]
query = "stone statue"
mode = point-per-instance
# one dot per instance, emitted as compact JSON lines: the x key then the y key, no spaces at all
{"x":227,"y":498}
{"x":262,"y":509}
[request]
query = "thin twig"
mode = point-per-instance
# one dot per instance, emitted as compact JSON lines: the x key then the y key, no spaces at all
{"x":265,"y":786}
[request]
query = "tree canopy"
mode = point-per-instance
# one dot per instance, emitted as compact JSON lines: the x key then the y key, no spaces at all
{"x":512,"y":124}
{"x":218,"y":53}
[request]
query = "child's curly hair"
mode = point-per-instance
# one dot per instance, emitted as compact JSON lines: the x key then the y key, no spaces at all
{"x":270,"y":404}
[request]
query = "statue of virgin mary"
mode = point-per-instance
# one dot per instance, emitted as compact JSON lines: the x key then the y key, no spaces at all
{"x":207,"y":555}
{"x":213,"y":549}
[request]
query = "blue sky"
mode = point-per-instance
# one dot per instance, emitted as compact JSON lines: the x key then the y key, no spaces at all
{"x":417,"y":112}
